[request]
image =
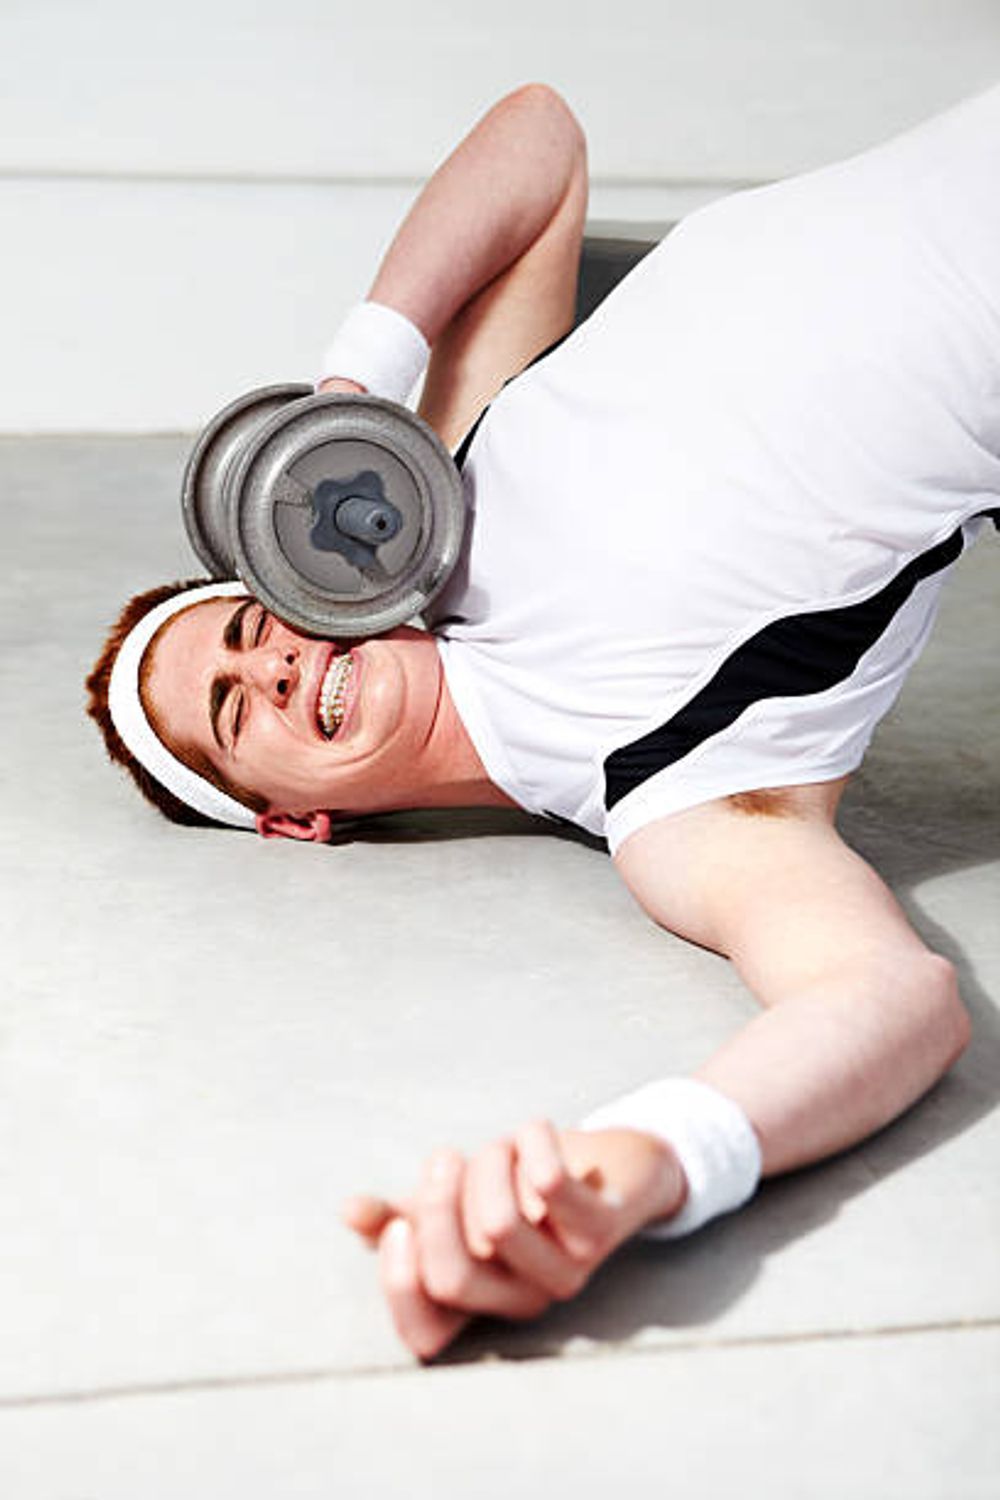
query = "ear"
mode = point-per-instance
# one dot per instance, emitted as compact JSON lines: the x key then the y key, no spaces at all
{"x":310,"y":828}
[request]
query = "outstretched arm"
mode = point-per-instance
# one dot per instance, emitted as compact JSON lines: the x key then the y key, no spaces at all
{"x":485,"y":264}
{"x":859,"y":1019}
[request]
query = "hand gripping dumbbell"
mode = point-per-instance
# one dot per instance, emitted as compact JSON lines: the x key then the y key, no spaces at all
{"x":343,"y":514}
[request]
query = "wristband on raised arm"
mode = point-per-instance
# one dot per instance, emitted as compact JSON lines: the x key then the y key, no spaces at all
{"x":379,"y":348}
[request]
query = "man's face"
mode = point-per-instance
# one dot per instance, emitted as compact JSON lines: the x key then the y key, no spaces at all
{"x":227,"y":678}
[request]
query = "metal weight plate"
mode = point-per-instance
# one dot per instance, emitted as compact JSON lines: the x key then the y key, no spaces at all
{"x":393,"y":465}
{"x":203,"y":494}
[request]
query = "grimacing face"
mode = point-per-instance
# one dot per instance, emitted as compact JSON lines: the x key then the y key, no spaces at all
{"x":228,"y":678}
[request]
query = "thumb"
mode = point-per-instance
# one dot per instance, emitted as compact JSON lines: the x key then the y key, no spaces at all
{"x":368,"y":1216}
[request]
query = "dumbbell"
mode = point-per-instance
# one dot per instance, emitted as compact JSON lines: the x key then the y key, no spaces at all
{"x":343,"y":514}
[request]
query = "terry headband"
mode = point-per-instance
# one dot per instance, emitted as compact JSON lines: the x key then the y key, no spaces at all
{"x":129,"y":716}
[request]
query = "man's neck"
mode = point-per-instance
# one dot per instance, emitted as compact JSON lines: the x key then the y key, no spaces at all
{"x":453,"y":775}
{"x":447,"y":771}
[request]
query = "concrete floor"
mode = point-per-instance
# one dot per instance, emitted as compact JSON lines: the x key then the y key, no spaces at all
{"x":207,"y":1040}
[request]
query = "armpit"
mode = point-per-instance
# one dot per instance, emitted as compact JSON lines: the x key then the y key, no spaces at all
{"x":789,"y":801}
{"x":773,"y":803}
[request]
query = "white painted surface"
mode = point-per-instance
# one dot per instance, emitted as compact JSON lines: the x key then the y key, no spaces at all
{"x":190,"y":196}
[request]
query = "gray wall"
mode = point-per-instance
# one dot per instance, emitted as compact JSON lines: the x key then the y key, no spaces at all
{"x":191,"y":195}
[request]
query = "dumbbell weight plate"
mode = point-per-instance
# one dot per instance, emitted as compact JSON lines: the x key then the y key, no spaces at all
{"x":269,"y":501}
{"x":203,"y":494}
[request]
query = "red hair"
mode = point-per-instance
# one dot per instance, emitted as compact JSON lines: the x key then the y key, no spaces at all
{"x":97,"y":707}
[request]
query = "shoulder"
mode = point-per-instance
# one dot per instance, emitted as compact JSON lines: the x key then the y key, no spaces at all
{"x":702,"y":873}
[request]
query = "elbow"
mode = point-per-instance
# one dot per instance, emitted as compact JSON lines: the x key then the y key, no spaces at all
{"x":545,"y":104}
{"x":949,"y":1022}
{"x":542,"y":96}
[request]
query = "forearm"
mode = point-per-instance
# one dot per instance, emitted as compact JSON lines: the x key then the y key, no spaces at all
{"x":859,"y":1017}
{"x":822,"y":1070}
{"x":482,"y":209}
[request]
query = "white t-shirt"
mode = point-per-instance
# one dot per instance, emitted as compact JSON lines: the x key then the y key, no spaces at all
{"x":708,"y":531}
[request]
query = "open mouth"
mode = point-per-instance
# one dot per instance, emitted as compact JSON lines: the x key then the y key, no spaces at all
{"x":331,"y":705}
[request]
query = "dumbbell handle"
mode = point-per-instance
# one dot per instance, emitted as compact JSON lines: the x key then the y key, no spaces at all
{"x":370,"y":521}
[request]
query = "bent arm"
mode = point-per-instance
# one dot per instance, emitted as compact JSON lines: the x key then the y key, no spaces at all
{"x":485,"y":263}
{"x":860,"y":1018}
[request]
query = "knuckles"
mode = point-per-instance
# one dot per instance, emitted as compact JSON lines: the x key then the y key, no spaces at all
{"x":587,"y":1249}
{"x":456,"y":1280}
{"x":448,"y":1283}
{"x":502,"y":1228}
{"x":551,"y":1183}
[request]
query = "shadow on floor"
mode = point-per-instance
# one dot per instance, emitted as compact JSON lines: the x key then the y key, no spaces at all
{"x":956,"y":827}
{"x":924,"y":807}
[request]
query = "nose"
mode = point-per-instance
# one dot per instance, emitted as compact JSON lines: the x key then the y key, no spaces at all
{"x":275,"y":671}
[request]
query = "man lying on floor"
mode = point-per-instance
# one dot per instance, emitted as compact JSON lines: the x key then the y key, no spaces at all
{"x":707,"y":535}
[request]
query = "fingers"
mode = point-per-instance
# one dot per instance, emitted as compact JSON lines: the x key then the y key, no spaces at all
{"x":580,"y":1218}
{"x":505,"y":1234}
{"x":424,"y":1326}
{"x":496,"y":1224}
{"x":430,"y":1279}
{"x":532,"y":1203}
{"x":368,"y":1216}
{"x":449,"y":1271}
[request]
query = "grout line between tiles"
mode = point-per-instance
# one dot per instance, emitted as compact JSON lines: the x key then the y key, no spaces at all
{"x":592,"y":1353}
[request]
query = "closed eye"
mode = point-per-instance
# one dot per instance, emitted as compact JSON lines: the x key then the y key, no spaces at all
{"x":256,"y":631}
{"x":234,"y":639}
{"x":239,"y":709}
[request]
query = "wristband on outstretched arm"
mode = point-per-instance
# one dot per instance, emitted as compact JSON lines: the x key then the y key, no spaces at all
{"x":378,"y":348}
{"x":712,"y":1137}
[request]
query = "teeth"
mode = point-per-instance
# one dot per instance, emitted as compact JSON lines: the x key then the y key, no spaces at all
{"x":333,"y":694}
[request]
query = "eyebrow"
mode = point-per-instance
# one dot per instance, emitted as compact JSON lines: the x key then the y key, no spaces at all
{"x":232,"y":637}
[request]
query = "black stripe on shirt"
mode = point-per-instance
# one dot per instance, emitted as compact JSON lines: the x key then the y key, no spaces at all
{"x":792,"y":657}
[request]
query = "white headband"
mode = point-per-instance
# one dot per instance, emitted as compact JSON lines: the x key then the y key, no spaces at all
{"x":129,"y":716}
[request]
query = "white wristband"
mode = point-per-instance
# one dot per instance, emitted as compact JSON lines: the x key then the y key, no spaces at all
{"x":714,"y":1141}
{"x":379,"y":348}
